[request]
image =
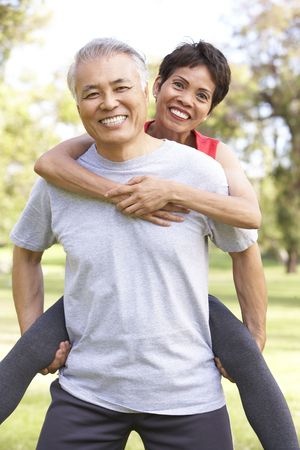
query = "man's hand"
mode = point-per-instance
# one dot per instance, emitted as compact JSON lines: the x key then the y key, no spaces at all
{"x":59,"y":359}
{"x":222,"y":370}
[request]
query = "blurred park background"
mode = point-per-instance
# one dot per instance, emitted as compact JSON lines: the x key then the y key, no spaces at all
{"x":260,"y":119}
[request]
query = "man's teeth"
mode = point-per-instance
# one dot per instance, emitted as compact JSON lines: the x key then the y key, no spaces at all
{"x":116,"y":120}
{"x":180,"y":114}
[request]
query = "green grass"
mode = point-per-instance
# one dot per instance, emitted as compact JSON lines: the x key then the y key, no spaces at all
{"x":21,"y":429}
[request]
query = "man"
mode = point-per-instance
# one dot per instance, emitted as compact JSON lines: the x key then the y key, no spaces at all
{"x":135,"y":295}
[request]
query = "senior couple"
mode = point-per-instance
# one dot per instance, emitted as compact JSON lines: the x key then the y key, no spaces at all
{"x":144,"y":336}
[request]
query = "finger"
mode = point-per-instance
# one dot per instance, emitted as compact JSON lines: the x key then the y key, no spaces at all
{"x":168,"y":216}
{"x":59,"y":359}
{"x":116,"y":199}
{"x":225,"y":375}
{"x":121,"y":190}
{"x":156,"y":220}
{"x":136,"y":180}
{"x":136,"y":210}
{"x":64,"y":347}
{"x":222,"y":370}
{"x":128,"y":204}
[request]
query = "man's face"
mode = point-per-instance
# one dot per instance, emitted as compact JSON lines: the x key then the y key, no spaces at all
{"x":111,"y":101}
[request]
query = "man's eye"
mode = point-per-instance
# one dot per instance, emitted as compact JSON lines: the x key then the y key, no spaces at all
{"x":91,"y":95}
{"x":122,"y":88}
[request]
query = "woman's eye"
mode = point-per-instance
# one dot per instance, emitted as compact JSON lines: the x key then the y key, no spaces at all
{"x":202,"y":96}
{"x":178,"y":84}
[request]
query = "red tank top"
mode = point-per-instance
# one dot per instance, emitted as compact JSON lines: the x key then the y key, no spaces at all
{"x":205,"y":144}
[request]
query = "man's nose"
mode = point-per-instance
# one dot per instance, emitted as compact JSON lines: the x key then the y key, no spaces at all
{"x":109,"y":101}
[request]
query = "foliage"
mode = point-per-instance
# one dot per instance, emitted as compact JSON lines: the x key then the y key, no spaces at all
{"x":23,"y":137}
{"x":18,"y":20}
{"x":22,"y":132}
{"x":268,"y":37}
{"x":288,"y":212}
{"x":30,"y":113}
{"x":32,"y":119}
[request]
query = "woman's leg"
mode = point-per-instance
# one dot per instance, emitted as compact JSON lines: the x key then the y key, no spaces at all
{"x":34,"y":351}
{"x":262,"y":399}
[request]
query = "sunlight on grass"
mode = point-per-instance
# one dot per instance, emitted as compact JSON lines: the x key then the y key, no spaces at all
{"x":21,"y":429}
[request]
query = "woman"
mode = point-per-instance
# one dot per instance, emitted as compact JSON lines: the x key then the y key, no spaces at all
{"x":192,"y":80}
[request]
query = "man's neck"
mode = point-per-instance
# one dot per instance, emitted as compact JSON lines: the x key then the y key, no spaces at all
{"x":119,"y":152}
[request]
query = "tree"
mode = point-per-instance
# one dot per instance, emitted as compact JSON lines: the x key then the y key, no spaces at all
{"x":18,"y":20}
{"x":269,"y":39}
{"x":22,"y":136}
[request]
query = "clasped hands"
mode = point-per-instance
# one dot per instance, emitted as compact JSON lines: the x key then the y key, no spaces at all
{"x":148,"y":198}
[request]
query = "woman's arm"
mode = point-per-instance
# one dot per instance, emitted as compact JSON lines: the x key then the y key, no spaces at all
{"x":58,"y":166}
{"x":240,"y":187}
{"x":240,"y":208}
{"x":146,"y":195}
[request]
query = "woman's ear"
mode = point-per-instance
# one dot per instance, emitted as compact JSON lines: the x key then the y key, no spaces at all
{"x":156,"y":86}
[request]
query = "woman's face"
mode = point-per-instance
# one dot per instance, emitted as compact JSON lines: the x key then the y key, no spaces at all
{"x":183,"y":101}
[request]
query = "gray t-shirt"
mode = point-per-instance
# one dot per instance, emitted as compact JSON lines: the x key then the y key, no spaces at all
{"x":135,"y":293}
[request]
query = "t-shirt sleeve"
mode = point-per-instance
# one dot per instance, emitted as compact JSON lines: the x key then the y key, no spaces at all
{"x":227,"y":237}
{"x":33,"y":230}
{"x":231,"y":239}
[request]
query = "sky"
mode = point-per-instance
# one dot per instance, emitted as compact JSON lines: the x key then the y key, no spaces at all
{"x":154,"y":27}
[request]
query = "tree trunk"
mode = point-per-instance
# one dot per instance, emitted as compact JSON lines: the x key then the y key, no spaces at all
{"x":291,"y":264}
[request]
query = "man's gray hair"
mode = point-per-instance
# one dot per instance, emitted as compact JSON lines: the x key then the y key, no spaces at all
{"x":106,"y":47}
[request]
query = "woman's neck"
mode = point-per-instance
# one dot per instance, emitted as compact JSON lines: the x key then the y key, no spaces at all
{"x":160,"y":132}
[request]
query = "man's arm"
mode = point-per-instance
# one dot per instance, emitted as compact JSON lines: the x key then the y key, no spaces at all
{"x":250,"y":285}
{"x":28,"y":294}
{"x":28,"y":286}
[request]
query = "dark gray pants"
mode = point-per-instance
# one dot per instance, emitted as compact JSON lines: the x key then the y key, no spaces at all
{"x":72,"y":424}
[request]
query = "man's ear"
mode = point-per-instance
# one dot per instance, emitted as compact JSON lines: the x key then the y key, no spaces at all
{"x":78,"y":109}
{"x":156,"y":86}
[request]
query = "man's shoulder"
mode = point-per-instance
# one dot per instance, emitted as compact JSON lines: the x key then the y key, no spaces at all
{"x":89,"y":156}
{"x":193,"y":156}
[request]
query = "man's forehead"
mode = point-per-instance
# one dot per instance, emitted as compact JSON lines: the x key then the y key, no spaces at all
{"x":119,"y":61}
{"x":109,"y":69}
